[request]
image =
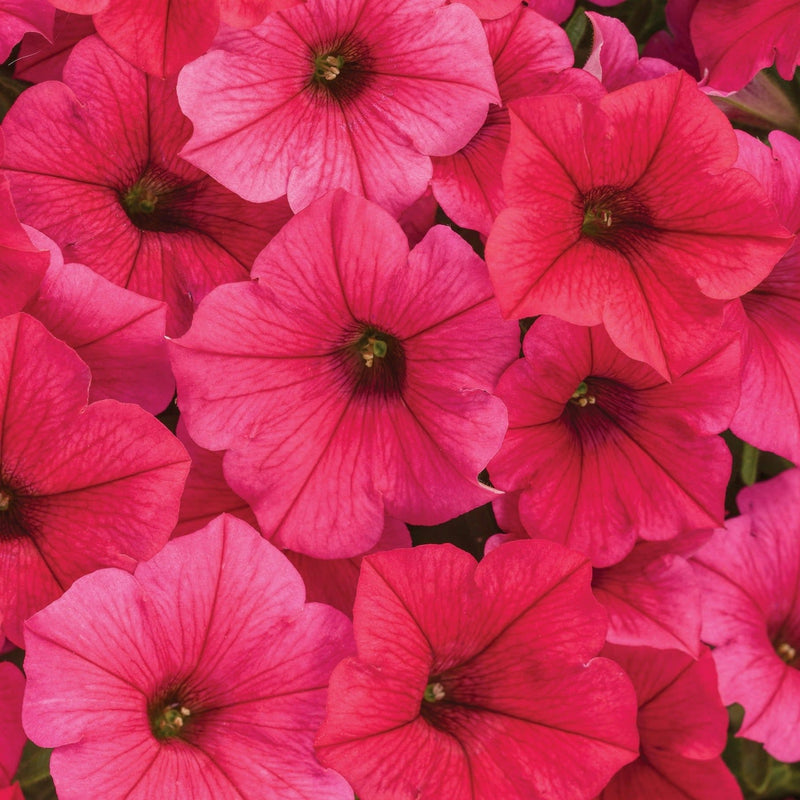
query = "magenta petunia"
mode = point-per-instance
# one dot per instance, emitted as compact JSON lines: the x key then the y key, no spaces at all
{"x":160,"y":36}
{"x":606,"y":452}
{"x":42,"y":60}
{"x":212,"y":665}
{"x":682,"y":728}
{"x":769,"y":316}
{"x":531,"y":56}
{"x":355,"y":94}
{"x":12,"y":737}
{"x":614,"y":59}
{"x":118,"y":333}
{"x":93,"y":164}
{"x":734,"y":39}
{"x":645,"y":226}
{"x":749,"y":573}
{"x":18,"y":17}
{"x":464,"y":669}
{"x":352,"y":380}
{"x":80,"y":487}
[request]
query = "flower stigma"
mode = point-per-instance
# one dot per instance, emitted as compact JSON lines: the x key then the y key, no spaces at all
{"x":434,"y":692}
{"x":787,"y":653}
{"x":170,"y":722}
{"x":581,"y":397}
{"x":5,"y":500}
{"x":328,"y":67}
{"x":373,"y":348}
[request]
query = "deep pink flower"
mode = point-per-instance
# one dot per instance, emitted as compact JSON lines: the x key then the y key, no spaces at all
{"x":531,"y":56}
{"x":769,"y":412}
{"x":12,"y":737}
{"x":41,"y":60}
{"x":682,"y":729}
{"x":80,"y":487}
{"x":478,"y":680}
{"x":211,"y":666}
{"x":614,"y":59}
{"x":94,"y":165}
{"x":653,"y":597}
{"x":734,"y":39}
{"x":351,"y":380}
{"x":160,"y":36}
{"x":644,"y":225}
{"x":118,"y":333}
{"x":18,"y":17}
{"x":749,"y":573}
{"x":329,"y":94}
{"x":604,"y":450}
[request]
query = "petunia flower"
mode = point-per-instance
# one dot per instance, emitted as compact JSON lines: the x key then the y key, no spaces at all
{"x":749,"y":573}
{"x":210,"y":664}
{"x":351,"y":380}
{"x":18,"y":17}
{"x":80,"y":487}
{"x":93,"y":164}
{"x":682,"y":729}
{"x":734,"y":39}
{"x":331,"y":94}
{"x":160,"y":36}
{"x":604,"y":450}
{"x":643,"y":225}
{"x":769,"y":316}
{"x":478,"y":681}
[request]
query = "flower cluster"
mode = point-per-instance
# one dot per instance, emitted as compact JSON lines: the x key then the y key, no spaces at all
{"x":298,"y":294}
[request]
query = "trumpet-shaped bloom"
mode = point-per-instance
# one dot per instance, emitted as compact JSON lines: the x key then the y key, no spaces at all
{"x":477,"y":681}
{"x":645,"y":225}
{"x":356,"y":94}
{"x":212,"y":667}
{"x":749,"y":573}
{"x":352,"y":380}
{"x":80,"y":487}
{"x":682,"y":729}
{"x":769,"y":412}
{"x":93,"y":164}
{"x":604,"y":450}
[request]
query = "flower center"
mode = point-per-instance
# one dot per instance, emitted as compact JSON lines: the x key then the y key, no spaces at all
{"x":170,"y":721}
{"x":788,"y":654}
{"x":434,"y":692}
{"x":613,"y":217}
{"x":581,"y":397}
{"x":6,"y":499}
{"x":373,"y":362}
{"x":341,"y":71}
{"x":158,"y":201}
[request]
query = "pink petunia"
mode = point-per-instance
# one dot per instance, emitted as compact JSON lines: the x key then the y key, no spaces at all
{"x":734,"y":39}
{"x":355,"y":94}
{"x":352,"y":380}
{"x":160,"y":36}
{"x":478,"y":680}
{"x":769,"y":316}
{"x":118,"y":333}
{"x":606,"y":452}
{"x":614,"y":59}
{"x":531,"y":56}
{"x":18,"y":17}
{"x":80,"y":487}
{"x":749,"y":573}
{"x":682,"y":728}
{"x":212,"y":667}
{"x":93,"y":164}
{"x":643,"y":224}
